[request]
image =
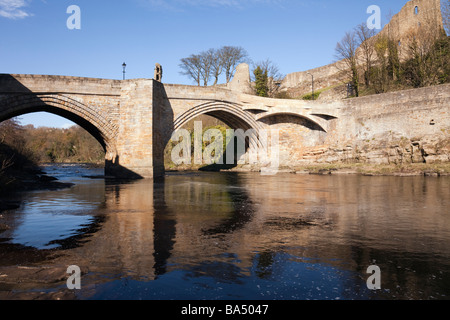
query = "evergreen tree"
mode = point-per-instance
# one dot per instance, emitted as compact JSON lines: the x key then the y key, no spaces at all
{"x":261,"y":82}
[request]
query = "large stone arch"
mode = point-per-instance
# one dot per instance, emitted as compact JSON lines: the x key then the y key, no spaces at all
{"x":89,"y":119}
{"x":231,"y":114}
{"x":317,"y":121}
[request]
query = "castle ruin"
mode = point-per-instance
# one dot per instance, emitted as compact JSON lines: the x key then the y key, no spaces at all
{"x":414,"y":15}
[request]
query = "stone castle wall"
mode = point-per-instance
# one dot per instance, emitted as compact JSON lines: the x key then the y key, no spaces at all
{"x":414,"y":15}
{"x":399,"y":28}
{"x":411,"y":126}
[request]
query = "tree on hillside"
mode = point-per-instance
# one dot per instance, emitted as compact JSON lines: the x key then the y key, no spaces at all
{"x":366,"y":41}
{"x":273,"y":75}
{"x":13,"y":153}
{"x":442,"y":54}
{"x":346,"y":51}
{"x":62,"y":145}
{"x":386,"y":69}
{"x":379,"y":74}
{"x":423,"y":61}
{"x":11,"y":133}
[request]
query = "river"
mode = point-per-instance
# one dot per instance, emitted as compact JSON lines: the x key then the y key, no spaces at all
{"x":238,"y":236}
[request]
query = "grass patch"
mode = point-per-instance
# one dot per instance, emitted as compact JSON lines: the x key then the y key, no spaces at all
{"x":317,"y":93}
{"x":309,"y":96}
{"x":317,"y":168}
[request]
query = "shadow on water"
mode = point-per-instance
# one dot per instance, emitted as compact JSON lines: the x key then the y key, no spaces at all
{"x":243,"y":209}
{"x":164,"y":230}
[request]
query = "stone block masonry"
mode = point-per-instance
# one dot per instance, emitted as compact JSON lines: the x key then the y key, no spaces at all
{"x":134,"y":141}
{"x":134,"y":120}
{"x":411,"y":126}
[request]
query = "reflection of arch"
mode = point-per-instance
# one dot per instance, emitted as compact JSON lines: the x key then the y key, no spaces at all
{"x":73,"y":110}
{"x":243,"y":207}
{"x":230,"y":114}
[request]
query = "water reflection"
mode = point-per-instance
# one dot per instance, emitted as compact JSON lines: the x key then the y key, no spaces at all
{"x":164,"y":230}
{"x":242,"y":207}
{"x":233,"y":236}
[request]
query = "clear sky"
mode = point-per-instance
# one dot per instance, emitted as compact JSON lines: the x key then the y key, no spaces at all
{"x":295,"y":35}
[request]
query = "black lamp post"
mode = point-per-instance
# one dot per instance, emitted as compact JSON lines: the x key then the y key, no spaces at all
{"x":124,"y":65}
{"x":312,"y":84}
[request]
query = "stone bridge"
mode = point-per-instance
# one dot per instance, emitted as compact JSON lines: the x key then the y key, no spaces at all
{"x":134,"y":119}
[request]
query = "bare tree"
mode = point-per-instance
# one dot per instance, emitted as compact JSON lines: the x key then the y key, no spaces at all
{"x":217,"y":65}
{"x":423,"y":62}
{"x":11,"y":133}
{"x":366,"y":43}
{"x":346,"y":51}
{"x":231,"y":57}
{"x":206,"y":65}
{"x":380,"y":74}
{"x":191,"y":67}
{"x":212,"y":63}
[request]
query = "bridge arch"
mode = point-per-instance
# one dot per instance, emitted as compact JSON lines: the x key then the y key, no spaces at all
{"x":229,"y":113}
{"x":87,"y":118}
{"x":319,"y":123}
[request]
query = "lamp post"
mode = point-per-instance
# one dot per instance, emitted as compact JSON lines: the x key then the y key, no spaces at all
{"x":124,"y":65}
{"x":312,"y":84}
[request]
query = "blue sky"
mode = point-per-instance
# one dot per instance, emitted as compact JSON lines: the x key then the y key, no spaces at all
{"x":295,"y":35}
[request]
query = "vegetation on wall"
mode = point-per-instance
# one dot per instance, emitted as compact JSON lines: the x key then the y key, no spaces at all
{"x":387,"y":64}
{"x":309,"y":96}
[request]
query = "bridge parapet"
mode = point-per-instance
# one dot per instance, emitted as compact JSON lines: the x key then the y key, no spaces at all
{"x":25,"y":83}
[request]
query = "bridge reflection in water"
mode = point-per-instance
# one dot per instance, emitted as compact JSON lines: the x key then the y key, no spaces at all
{"x":152,"y":226}
{"x":242,"y":235}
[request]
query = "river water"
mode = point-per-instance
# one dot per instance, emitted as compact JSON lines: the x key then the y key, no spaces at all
{"x":205,"y":235}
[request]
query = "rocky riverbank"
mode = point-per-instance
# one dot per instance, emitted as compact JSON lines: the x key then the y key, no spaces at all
{"x":412,"y":169}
